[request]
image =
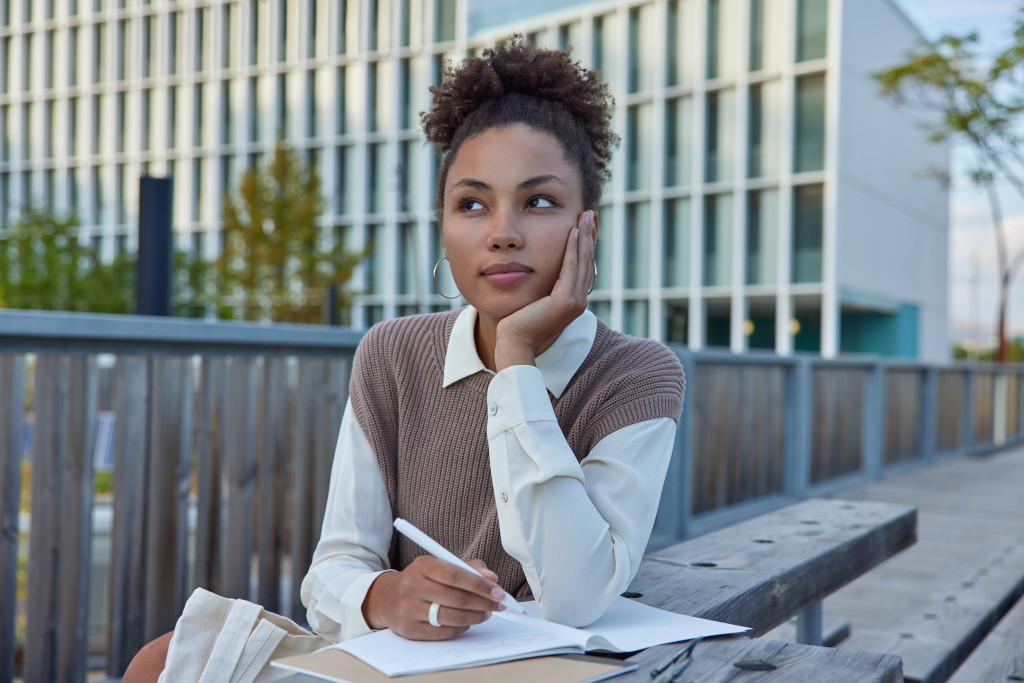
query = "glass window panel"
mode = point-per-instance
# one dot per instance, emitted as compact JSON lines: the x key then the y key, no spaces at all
{"x":410,"y":192}
{"x":679,"y":141}
{"x":766,"y":31}
{"x":312,"y":124}
{"x":97,"y":194}
{"x":197,"y":115}
{"x":723,"y":38}
{"x":253,"y":109}
{"x":570,"y":36}
{"x":98,"y":49}
{"x":412,"y":26}
{"x":120,"y":204}
{"x":809,"y":126}
{"x":48,"y":57}
{"x":199,"y":27}
{"x":282,"y":30}
{"x":765,"y":122}
{"x":717,"y":326}
{"x":5,"y":199}
{"x":5,"y":135}
{"x":602,"y":309}
{"x":677,"y":322}
{"x":636,"y":318}
{"x":762,"y":237}
{"x":406,"y":109}
{"x":227,"y":18}
{"x":375,"y":265}
{"x":49,"y":127}
{"x":225,"y":112}
{"x":311,"y":25}
{"x":119,"y":122}
{"x":122,"y":49}
{"x":720,"y":137}
{"x":377,"y":175}
{"x":383,"y":19}
{"x":254,"y":32}
{"x":97,"y":124}
{"x":639,"y":146}
{"x":808,"y":216}
{"x":603,"y":254}
{"x":345,"y":180}
{"x":172,"y":43}
{"x":379,"y":95}
{"x":408,"y":259}
{"x":641,"y":48}
{"x":811,"y":29}
{"x":607,"y":50}
{"x":444,"y":26}
{"x":372,"y":85}
{"x":282,"y":105}
{"x":173,"y":134}
{"x":718,"y":240}
{"x":26,"y":130}
{"x":5,"y":64}
{"x":682,"y":42}
{"x":638,"y":245}
{"x":197,"y":188}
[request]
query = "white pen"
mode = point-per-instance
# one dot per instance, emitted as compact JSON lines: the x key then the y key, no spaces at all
{"x":437,"y":550}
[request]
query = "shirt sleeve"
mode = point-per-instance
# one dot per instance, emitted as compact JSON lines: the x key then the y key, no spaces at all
{"x":578,"y":528}
{"x":354,"y":542}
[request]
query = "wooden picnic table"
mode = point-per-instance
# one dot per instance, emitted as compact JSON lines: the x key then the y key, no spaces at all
{"x":762,"y":572}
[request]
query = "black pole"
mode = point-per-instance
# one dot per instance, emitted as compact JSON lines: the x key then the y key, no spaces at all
{"x":156,"y":250}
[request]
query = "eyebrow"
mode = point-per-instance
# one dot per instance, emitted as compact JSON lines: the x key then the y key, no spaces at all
{"x":527,"y":184}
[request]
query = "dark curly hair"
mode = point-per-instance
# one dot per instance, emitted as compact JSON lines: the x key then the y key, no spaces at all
{"x":517,"y":82}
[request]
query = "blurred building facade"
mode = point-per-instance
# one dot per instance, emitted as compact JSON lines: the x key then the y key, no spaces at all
{"x":763,"y":196}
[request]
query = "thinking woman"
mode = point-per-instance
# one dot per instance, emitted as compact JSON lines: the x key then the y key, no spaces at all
{"x":519,"y":432}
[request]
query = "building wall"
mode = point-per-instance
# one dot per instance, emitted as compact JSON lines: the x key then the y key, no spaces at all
{"x":891,"y":223}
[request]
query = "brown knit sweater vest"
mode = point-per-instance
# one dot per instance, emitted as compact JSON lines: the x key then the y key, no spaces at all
{"x":431,"y":442}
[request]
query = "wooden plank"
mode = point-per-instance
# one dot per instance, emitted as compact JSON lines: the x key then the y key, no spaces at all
{"x":272,"y":453}
{"x":165,"y":505}
{"x":131,"y":401}
{"x":49,"y":450}
{"x":238,"y":448}
{"x":209,"y":414}
{"x":762,"y":572}
{"x":1000,"y":657}
{"x":302,"y":481}
{"x":12,"y":407}
{"x":716,"y":660}
{"x":935,"y":633}
{"x":76,"y":520}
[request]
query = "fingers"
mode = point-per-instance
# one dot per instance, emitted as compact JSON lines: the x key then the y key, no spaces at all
{"x":585,"y":251}
{"x":481,"y":567}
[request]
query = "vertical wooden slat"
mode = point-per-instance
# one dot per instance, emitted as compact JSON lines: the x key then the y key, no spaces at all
{"x":48,"y":457}
{"x":239,"y":425}
{"x":76,"y":524}
{"x":302,"y":480}
{"x":272,"y":452}
{"x":165,"y":528}
{"x":12,"y":406}
{"x":210,"y":407}
{"x":131,"y":402}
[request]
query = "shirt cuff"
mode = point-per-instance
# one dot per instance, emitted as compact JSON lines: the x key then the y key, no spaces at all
{"x":351,"y":603}
{"x":516,"y":395}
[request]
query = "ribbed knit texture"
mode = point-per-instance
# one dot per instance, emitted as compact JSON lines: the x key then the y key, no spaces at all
{"x":431,"y":442}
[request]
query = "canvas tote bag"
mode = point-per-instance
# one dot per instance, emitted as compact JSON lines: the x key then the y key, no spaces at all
{"x":220,"y":640}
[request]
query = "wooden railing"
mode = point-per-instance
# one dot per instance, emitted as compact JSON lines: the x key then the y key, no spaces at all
{"x":224,"y":438}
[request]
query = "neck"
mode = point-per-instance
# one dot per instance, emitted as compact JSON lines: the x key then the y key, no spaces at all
{"x":485,"y":335}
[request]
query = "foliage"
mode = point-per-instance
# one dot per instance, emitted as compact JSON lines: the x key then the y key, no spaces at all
{"x":977,"y":102}
{"x":274,"y":265}
{"x":45,"y":266}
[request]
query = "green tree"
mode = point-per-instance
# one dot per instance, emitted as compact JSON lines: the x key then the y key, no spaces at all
{"x":978,"y":102}
{"x":45,"y":266}
{"x":275,"y":263}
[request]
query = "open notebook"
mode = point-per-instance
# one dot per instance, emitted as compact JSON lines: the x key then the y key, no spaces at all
{"x":627,"y":626}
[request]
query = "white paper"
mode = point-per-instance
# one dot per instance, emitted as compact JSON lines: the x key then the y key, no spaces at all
{"x":627,"y":626}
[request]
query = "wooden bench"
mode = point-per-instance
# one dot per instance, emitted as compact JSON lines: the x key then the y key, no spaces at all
{"x":938,"y":631}
{"x":1000,"y":657}
{"x":762,"y":572}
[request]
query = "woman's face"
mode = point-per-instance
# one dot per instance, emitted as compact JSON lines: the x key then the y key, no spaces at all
{"x":510,"y":200}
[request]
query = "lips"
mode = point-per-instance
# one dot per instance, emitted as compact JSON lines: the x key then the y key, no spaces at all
{"x":506,"y":273}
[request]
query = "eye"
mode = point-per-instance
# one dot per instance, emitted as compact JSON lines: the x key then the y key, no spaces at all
{"x":470,"y":205}
{"x":540,"y":202}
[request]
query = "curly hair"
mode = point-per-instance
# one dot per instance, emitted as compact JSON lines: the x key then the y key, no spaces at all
{"x":517,"y":82}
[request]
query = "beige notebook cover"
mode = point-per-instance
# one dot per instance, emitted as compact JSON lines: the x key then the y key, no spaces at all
{"x":334,"y":665}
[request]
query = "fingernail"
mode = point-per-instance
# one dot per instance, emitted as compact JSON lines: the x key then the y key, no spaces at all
{"x":497,"y":593}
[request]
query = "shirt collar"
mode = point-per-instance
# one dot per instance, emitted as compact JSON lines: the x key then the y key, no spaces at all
{"x":557,"y":364}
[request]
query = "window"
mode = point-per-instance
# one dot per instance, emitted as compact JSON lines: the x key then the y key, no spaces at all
{"x":607,"y":52}
{"x":254,"y":32}
{"x":635,"y":313}
{"x":173,"y":137}
{"x":311,"y":32}
{"x":97,"y":124}
{"x":639,"y":146}
{"x":681,"y":42}
{"x":145,"y":127}
{"x":371,"y":94}
{"x":766,"y":29}
{"x":762,"y":236}
{"x":49,"y":127}
{"x":26,"y":130}
{"x":172,"y":43}
{"x":122,"y":50}
{"x":146,"y":67}
{"x":197,"y":114}
{"x":570,"y":36}
{"x":722,"y":32}
{"x":444,"y":26}
{"x":345,"y":180}
{"x":5,"y":63}
{"x":678,"y":141}
{"x":811,"y":29}
{"x":808,"y":216}
{"x":5,"y":135}
{"x":809,"y":126}
{"x":200,"y":40}
{"x":677,"y":322}
{"x":641,"y":48}
{"x":282,"y":31}
{"x":227,"y":19}
{"x":97,"y":194}
{"x":676,"y":243}
{"x":375,"y":265}
{"x":406,"y":111}
{"x":377,"y":175}
{"x":197,"y":189}
{"x":282,"y":105}
{"x":340,"y":8}
{"x":119,"y":122}
{"x":48,"y":58}
{"x":225,"y":112}
{"x":119,"y":199}
{"x":253,"y":109}
{"x":717,"y":240}
{"x":408,"y":259}
{"x":765,"y":122}
{"x":604,"y":256}
{"x":409,"y":193}
{"x":638,"y":245}
{"x":341,"y":113}
{"x":311,"y":113}
{"x":720,"y":136}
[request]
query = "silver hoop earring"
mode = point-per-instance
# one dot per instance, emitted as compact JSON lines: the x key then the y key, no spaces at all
{"x":593,"y":282}
{"x":438,"y":289}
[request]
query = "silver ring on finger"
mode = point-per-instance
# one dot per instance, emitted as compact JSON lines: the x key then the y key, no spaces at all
{"x":432,"y":615}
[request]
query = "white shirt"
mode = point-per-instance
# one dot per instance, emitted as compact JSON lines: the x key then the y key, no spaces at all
{"x":578,"y":528}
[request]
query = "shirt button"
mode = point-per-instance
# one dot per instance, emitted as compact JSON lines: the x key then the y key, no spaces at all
{"x":504,"y":496}
{"x":493,"y":408}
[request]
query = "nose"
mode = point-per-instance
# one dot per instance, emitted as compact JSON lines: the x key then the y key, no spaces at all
{"x":504,"y":232}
